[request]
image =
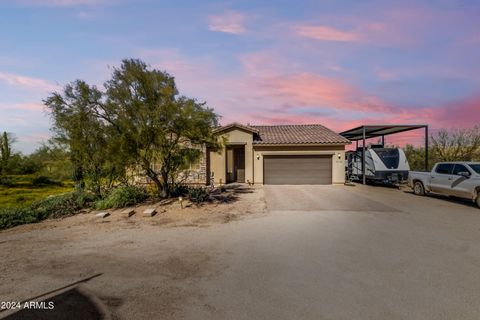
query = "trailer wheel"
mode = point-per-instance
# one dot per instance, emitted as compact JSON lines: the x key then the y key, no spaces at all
{"x":418,"y":188}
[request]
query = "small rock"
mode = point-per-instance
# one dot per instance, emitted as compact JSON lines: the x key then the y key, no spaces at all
{"x":150,"y":212}
{"x":102,"y":214}
{"x":128,"y":212}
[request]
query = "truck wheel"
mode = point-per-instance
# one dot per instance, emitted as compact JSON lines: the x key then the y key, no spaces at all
{"x":418,"y":189}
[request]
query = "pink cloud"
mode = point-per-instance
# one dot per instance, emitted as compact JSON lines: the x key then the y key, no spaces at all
{"x":461,"y":113}
{"x":307,"y":89}
{"x":229,"y":22}
{"x":270,"y":91}
{"x":27,"y":82}
{"x":326,"y":33}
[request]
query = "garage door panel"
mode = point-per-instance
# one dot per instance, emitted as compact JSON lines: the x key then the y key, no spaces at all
{"x":297,"y":169}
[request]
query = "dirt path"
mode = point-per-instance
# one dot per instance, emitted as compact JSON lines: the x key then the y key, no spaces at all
{"x":148,"y":267}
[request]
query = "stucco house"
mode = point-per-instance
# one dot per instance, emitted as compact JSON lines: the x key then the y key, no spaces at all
{"x":276,"y":154}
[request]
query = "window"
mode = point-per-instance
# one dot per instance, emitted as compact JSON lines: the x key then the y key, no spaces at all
{"x":459,"y":168}
{"x":389,"y":157}
{"x":444,"y":168}
{"x":475,"y":167}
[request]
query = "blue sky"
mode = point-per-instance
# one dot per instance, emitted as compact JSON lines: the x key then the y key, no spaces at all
{"x":339,"y":63}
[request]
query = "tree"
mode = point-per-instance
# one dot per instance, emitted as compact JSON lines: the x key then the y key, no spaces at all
{"x":457,"y":144}
{"x":416,"y":157}
{"x":53,"y":160}
{"x":76,"y":126}
{"x":157,"y":130}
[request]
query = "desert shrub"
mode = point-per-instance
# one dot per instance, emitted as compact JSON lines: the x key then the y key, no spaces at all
{"x":121,"y":197}
{"x":198,"y":194}
{"x":51,"y":207}
{"x":10,"y":217}
{"x":62,"y":205}
{"x":7,"y":182}
{"x":178,"y":190}
{"x":44,"y":181}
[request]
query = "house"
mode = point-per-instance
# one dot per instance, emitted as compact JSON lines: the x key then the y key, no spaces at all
{"x":277,"y":154}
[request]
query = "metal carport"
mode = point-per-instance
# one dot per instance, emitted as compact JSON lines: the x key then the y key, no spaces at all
{"x":372,"y":131}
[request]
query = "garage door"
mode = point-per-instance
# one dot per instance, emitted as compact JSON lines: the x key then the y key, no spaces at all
{"x":297,"y":169}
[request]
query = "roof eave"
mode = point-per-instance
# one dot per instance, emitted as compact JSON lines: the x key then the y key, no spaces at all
{"x":301,"y":144}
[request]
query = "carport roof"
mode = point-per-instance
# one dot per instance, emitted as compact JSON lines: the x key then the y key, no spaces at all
{"x":372,"y":131}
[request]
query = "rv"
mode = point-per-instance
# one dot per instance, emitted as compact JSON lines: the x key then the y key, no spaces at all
{"x":382,"y":165}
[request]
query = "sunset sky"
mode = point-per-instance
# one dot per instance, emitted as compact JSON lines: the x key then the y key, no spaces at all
{"x":338,"y":63}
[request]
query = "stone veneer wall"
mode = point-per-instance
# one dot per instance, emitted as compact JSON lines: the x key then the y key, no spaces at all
{"x":197,"y":174}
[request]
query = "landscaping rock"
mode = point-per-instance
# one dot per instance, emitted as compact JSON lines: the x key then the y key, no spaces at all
{"x":102,"y":214}
{"x":128,"y":212}
{"x":150,"y":212}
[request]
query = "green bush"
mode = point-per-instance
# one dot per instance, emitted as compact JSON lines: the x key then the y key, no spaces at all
{"x":7,"y":182}
{"x":179,"y":190}
{"x":52,"y":207}
{"x":198,"y":194}
{"x":122,"y":197}
{"x":45,"y":181}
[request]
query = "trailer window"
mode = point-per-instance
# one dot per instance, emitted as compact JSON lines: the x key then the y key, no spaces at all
{"x":475,"y":167}
{"x":444,"y":168}
{"x":389,"y":157}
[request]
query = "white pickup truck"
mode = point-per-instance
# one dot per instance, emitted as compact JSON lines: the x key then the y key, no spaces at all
{"x":459,"y":179}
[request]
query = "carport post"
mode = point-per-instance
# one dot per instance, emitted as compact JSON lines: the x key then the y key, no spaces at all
{"x":426,"y":149}
{"x":363,"y":157}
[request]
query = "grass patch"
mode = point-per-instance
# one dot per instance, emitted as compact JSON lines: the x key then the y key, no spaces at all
{"x":21,"y":192}
{"x":51,"y":207}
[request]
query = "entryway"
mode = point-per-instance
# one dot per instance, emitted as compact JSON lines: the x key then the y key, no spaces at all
{"x":235,"y":164}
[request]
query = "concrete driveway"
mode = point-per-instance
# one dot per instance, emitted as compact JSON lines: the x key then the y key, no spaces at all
{"x":338,"y":252}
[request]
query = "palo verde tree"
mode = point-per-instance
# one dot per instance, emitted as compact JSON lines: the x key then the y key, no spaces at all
{"x":156,"y":129}
{"x":77,"y":127}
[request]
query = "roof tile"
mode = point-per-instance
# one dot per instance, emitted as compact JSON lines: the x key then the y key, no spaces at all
{"x":297,"y":134}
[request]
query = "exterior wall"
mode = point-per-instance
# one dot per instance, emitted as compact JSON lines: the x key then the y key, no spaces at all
{"x":196,"y":174}
{"x":218,"y":163}
{"x":337,"y":152}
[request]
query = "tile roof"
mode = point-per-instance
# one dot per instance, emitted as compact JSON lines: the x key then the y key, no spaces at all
{"x":297,"y":134}
{"x":235,"y":125}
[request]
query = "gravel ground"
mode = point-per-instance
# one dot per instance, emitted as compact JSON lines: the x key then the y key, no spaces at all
{"x":317,"y":252}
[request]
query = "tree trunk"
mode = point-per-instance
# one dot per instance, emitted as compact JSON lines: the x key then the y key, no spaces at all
{"x":78,"y":177}
{"x":165,"y":185}
{"x":154,"y":177}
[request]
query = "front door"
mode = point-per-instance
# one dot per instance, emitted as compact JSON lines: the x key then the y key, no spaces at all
{"x":236,"y":164}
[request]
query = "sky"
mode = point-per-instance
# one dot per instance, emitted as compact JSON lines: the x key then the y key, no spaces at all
{"x":338,"y":63}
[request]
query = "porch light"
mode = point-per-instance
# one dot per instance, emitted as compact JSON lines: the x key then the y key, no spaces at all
{"x":258,"y":157}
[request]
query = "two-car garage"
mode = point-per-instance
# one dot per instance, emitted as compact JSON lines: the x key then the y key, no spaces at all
{"x":297,"y":169}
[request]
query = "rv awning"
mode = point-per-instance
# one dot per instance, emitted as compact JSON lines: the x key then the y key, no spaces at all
{"x":372,"y":131}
